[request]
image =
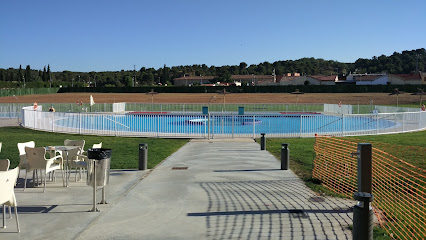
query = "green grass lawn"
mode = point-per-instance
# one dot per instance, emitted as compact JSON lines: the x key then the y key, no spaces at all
{"x":302,"y":149}
{"x":302,"y":155}
{"x":125,"y":151}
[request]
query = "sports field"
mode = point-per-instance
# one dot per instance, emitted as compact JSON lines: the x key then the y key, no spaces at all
{"x":332,"y":98}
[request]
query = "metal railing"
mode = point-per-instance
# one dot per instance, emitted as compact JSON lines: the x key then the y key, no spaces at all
{"x":223,"y":125}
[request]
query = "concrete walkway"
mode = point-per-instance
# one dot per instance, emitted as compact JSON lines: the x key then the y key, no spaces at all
{"x":206,"y":190}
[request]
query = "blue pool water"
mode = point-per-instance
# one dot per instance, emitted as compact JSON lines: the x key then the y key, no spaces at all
{"x":232,"y":124}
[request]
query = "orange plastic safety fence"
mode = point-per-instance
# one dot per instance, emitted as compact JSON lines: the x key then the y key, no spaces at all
{"x":399,"y":182}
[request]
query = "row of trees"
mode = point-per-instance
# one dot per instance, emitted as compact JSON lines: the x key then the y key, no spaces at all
{"x":405,"y":62}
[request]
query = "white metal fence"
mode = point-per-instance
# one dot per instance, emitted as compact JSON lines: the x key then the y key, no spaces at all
{"x":217,"y":125}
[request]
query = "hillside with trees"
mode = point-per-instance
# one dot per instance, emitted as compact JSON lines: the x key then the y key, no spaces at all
{"x":404,"y":62}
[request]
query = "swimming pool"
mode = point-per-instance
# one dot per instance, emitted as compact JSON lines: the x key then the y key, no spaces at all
{"x":225,"y":125}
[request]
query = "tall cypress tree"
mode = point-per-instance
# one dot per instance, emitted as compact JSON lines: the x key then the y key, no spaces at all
{"x":20,"y":73}
{"x":44,"y":75}
{"x":28,"y":74}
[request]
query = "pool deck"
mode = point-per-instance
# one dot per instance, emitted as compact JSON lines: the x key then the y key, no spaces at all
{"x":208,"y":189}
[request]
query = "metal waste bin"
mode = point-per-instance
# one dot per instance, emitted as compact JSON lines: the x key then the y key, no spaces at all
{"x":99,"y":160}
{"x":98,"y":172}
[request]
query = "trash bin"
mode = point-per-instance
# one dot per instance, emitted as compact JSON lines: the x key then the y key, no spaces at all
{"x":99,"y":159}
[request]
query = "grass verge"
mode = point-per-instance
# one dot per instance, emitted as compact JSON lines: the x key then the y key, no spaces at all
{"x":125,"y":151}
{"x":302,"y":155}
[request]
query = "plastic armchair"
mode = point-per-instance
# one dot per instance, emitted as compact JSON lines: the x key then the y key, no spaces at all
{"x":7,"y":193}
{"x":36,"y":159}
{"x":22,"y":155}
{"x":75,"y":156}
{"x":79,"y":143}
{"x":4,"y":166}
{"x":79,"y":160}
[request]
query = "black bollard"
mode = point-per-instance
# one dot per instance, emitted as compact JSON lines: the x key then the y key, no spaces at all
{"x":262,"y":142}
{"x":143,"y":156}
{"x":285,"y":156}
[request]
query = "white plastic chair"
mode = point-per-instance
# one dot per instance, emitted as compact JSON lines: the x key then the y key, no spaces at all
{"x":75,"y":156}
{"x":81,"y":160}
{"x":22,"y":155}
{"x":4,"y":166}
{"x":36,"y":159}
{"x":7,"y":193}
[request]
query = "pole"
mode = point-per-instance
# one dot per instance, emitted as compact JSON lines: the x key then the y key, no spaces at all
{"x":365,"y":167}
{"x":94,"y":209}
{"x":103,"y":201}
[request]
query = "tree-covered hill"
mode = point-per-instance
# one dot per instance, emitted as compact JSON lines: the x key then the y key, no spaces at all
{"x":404,"y":62}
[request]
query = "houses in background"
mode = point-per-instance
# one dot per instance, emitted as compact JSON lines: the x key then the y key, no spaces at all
{"x":297,"y":79}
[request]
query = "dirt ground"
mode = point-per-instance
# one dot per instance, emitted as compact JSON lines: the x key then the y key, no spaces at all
{"x":333,"y":98}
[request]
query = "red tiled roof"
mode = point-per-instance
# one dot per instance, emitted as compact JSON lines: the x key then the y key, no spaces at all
{"x":410,"y":76}
{"x":283,"y":78}
{"x":367,"y":77}
{"x":324,"y":78}
{"x":252,"y":77}
{"x":195,"y":78}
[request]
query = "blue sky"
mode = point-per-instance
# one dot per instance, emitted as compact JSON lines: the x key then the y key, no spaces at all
{"x":106,"y":35}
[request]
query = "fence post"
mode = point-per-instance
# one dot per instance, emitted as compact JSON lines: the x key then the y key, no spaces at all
{"x":208,"y":127}
{"x":254,"y":127}
{"x":233,"y":126}
{"x":79,"y":123}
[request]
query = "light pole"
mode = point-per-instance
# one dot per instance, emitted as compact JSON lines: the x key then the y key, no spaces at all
{"x":417,"y":62}
{"x":397,"y":92}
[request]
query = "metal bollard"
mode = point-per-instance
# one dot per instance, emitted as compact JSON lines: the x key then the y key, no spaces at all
{"x":262,"y":142}
{"x":285,"y":156}
{"x":363,"y":217}
{"x":143,"y":156}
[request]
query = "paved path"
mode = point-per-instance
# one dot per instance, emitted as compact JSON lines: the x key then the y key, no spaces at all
{"x":9,"y":122}
{"x":230,"y":190}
